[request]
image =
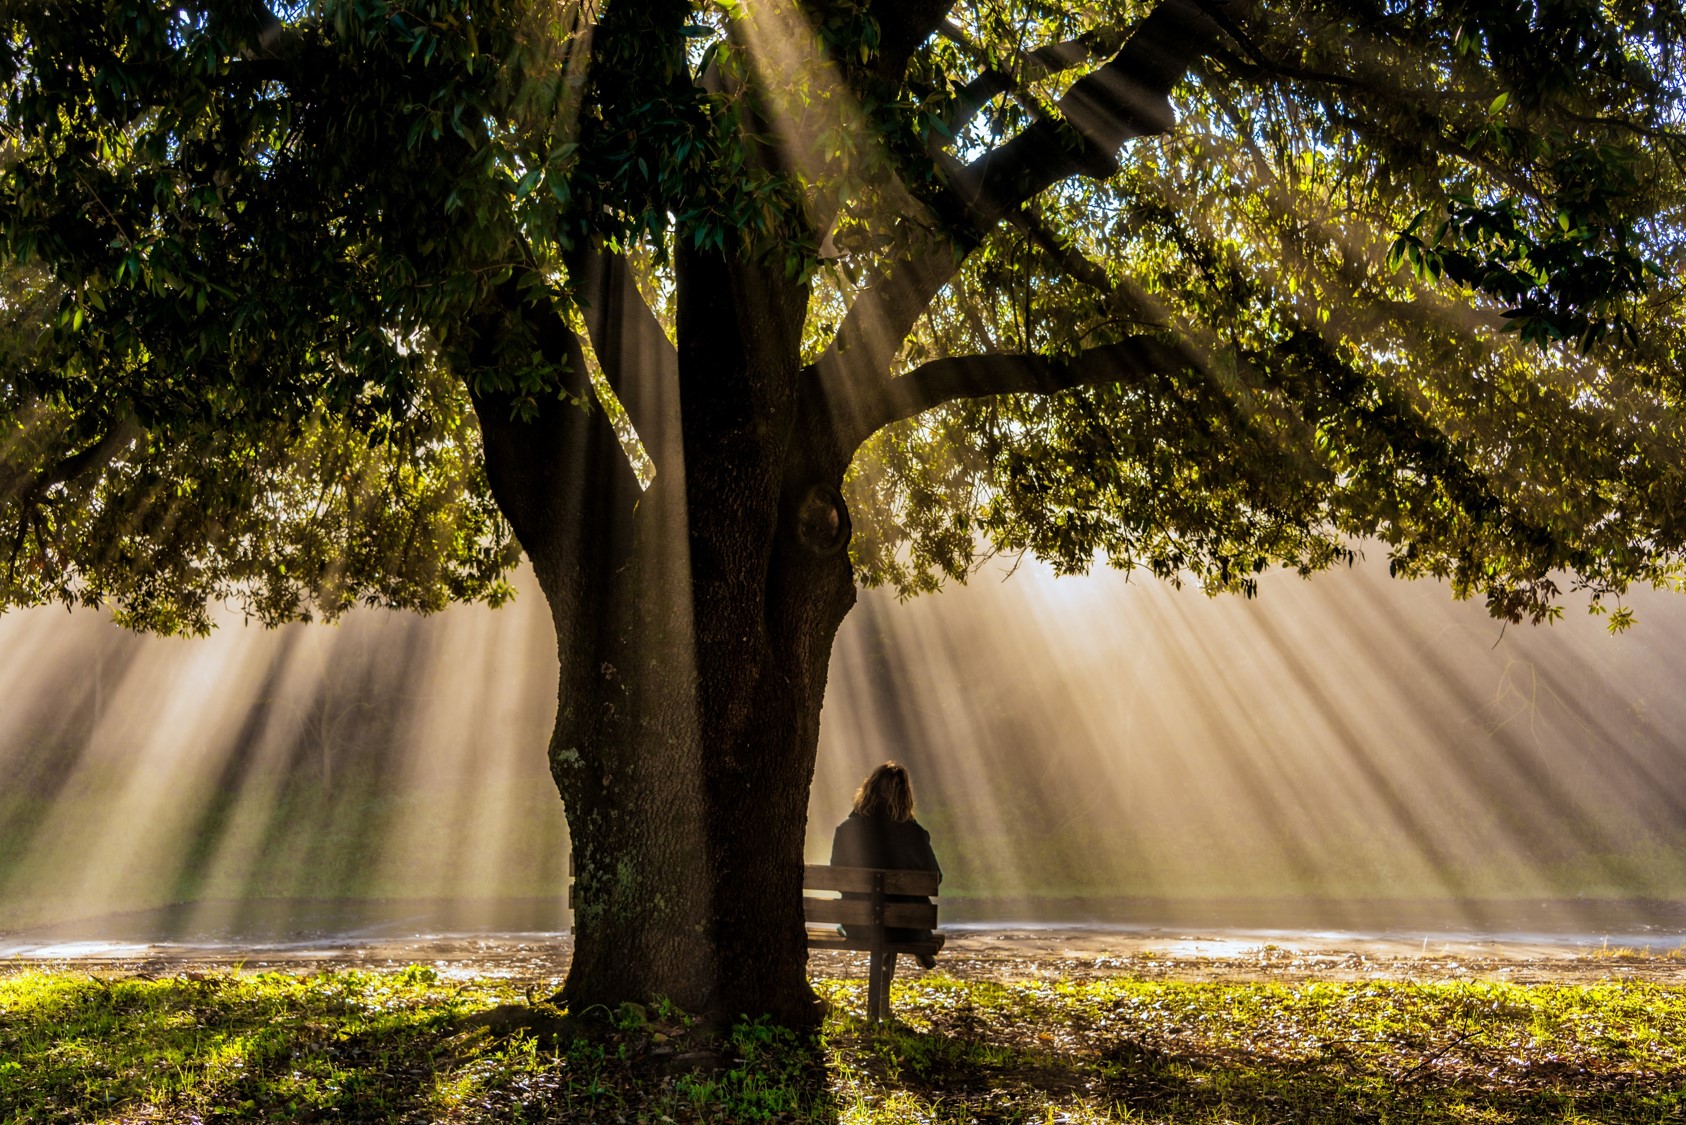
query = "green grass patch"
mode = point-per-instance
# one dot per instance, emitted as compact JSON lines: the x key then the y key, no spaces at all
{"x":404,"y":1046}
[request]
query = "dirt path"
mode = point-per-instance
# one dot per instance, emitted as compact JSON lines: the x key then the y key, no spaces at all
{"x":1084,"y":954}
{"x":1010,"y":954}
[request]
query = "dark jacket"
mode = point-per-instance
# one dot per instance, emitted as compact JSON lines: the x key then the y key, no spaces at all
{"x":877,"y":841}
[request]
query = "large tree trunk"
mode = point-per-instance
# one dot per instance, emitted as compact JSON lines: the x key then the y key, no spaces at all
{"x":694,"y":625}
{"x":686,"y":778}
{"x":686,"y":783}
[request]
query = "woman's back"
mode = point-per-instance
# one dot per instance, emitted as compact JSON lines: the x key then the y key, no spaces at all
{"x":881,"y":832}
{"x":879,"y":841}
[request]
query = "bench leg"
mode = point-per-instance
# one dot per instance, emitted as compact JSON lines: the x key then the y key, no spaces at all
{"x":879,"y":974}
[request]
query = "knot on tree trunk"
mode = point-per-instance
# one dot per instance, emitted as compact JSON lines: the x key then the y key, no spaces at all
{"x":822,"y":520}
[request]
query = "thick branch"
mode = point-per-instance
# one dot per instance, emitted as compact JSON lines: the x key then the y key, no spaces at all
{"x":556,"y":469}
{"x":981,"y":376}
{"x":902,"y":26}
{"x":1127,"y":97}
{"x":1031,"y":67}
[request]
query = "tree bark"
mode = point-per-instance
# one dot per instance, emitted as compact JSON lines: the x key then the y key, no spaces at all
{"x":694,"y":626}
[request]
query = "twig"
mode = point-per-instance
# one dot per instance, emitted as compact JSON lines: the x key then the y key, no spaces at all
{"x":1459,"y":1041}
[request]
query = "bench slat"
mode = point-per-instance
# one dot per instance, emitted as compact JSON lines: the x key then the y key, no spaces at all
{"x":818,"y":877}
{"x":854,"y":912}
{"x":868,"y":915}
{"x":833,"y":940}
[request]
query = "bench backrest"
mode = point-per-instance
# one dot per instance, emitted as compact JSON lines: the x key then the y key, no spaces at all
{"x":874,"y":883}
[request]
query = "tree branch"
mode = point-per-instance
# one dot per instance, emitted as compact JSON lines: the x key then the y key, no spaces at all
{"x":1125,"y":306}
{"x":556,"y":469}
{"x":22,"y":485}
{"x":1128,"y":97}
{"x":902,"y":26}
{"x":1263,"y":62}
{"x":1032,"y":66}
{"x":981,"y":376}
{"x":28,"y":488}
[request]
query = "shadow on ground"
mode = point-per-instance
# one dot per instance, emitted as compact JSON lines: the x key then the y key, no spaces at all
{"x":1205,"y":1053}
{"x":412,"y":1046}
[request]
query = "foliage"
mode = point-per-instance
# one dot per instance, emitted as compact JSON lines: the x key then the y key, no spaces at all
{"x":1528,"y":174}
{"x":404,"y":1045}
{"x":273,"y":431}
{"x":282,"y":519}
{"x":250,"y":255}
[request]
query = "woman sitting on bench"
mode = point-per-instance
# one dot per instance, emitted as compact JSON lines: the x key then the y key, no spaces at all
{"x":881,"y":832}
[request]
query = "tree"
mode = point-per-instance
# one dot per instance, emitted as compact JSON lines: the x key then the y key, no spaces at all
{"x":715,"y":307}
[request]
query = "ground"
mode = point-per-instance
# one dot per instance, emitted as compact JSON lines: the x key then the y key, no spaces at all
{"x":973,"y":953}
{"x":1023,"y":1025}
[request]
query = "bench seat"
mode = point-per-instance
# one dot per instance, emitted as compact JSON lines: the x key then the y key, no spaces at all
{"x":869,"y":913}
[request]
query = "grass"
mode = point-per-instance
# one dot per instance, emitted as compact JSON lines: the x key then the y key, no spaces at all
{"x":406,"y":1046}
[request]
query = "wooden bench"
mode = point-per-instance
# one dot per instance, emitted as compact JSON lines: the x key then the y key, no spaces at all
{"x":872,"y":914}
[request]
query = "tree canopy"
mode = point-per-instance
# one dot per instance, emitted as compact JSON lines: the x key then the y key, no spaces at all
{"x":1422,"y":262}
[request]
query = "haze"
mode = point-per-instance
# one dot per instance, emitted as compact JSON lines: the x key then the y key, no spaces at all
{"x":1081,"y":747}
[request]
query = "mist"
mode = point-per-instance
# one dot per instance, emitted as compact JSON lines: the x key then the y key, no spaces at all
{"x":1080,"y":747}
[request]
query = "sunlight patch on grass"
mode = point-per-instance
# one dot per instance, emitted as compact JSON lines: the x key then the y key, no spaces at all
{"x":357,"y":1043}
{"x":400,"y":1046}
